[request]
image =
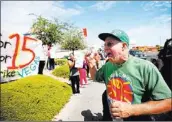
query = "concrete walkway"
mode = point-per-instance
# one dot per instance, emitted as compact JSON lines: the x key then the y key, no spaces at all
{"x":86,"y":106}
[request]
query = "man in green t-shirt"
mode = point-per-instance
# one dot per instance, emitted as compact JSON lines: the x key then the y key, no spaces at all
{"x":129,"y":78}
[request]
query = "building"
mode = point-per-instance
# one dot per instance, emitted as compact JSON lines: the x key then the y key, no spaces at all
{"x":145,"y":48}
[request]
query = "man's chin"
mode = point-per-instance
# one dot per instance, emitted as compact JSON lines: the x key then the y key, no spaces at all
{"x":113,"y":60}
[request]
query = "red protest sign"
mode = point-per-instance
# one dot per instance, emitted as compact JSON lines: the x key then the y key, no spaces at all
{"x":85,"y":32}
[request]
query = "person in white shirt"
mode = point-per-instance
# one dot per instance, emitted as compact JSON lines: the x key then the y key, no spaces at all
{"x":42,"y":55}
{"x":52,"y":57}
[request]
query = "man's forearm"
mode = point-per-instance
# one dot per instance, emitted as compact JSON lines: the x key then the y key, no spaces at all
{"x":92,"y":67}
{"x":93,"y":71}
{"x":152,"y":107}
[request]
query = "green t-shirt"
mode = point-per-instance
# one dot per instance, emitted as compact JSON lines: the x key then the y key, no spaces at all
{"x":130,"y":81}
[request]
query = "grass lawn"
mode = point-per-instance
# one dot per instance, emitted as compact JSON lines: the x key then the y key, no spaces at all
{"x":33,"y":98}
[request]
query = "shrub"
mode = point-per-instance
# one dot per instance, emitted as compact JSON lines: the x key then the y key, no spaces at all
{"x":33,"y":98}
{"x":61,"y":71}
{"x":60,"y":61}
{"x":66,"y":57}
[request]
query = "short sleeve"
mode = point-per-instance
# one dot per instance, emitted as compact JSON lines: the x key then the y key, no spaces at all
{"x":156,"y":85}
{"x":99,"y":76}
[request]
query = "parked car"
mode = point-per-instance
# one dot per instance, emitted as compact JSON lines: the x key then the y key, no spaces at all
{"x":138,"y":53}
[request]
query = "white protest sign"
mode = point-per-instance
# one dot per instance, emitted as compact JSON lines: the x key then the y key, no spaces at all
{"x":79,"y":56}
{"x":19,"y":56}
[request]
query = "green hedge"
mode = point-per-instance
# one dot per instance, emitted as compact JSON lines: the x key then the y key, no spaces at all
{"x":60,"y":61}
{"x":66,"y":57}
{"x":33,"y":98}
{"x":61,"y":71}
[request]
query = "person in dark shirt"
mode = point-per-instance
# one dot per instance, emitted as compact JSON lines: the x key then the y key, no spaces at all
{"x":74,"y":74}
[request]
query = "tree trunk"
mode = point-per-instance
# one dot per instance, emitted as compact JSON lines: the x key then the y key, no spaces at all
{"x":73,"y":51}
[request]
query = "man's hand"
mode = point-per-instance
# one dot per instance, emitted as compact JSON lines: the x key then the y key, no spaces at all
{"x":121,"y":109}
{"x":124,"y":110}
{"x":91,"y":61}
{"x":92,"y":65}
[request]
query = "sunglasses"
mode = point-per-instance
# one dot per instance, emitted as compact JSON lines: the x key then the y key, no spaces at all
{"x":108,"y":44}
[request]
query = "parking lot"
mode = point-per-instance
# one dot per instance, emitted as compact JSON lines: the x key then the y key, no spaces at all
{"x":150,"y":55}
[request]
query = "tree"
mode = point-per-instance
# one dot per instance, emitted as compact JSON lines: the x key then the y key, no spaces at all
{"x":73,"y":40}
{"x":48,"y":31}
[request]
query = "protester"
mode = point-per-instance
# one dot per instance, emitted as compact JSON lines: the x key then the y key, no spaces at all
{"x":87,"y":68}
{"x":165,"y":62}
{"x":42,"y":55}
{"x":49,"y":56}
{"x":128,"y":79}
{"x":97,"y":58}
{"x":102,"y":59}
{"x":82,"y":72}
{"x":90,"y":58}
{"x":52,"y":57}
{"x":74,"y":74}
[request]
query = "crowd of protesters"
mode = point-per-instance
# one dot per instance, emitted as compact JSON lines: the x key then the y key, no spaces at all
{"x":79,"y":75}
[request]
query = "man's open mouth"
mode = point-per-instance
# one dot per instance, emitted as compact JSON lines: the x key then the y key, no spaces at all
{"x":109,"y":55}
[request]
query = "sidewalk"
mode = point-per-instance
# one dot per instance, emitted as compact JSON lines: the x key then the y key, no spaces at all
{"x":86,"y":106}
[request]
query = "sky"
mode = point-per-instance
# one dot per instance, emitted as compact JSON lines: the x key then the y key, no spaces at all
{"x":146,"y":22}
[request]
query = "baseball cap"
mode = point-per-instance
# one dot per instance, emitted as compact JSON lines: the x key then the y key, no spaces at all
{"x":117,"y":34}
